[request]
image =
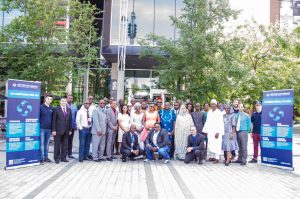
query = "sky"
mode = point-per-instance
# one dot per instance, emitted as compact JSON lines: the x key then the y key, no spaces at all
{"x":257,"y":9}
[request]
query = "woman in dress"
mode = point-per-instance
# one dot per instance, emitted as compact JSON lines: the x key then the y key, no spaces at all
{"x":183,"y":125}
{"x":229,"y":140}
{"x":124,"y":124}
{"x":150,"y":118}
{"x":137,"y":118}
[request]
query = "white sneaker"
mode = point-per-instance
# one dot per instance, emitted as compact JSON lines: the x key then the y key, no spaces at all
{"x":166,"y":161}
{"x":146,"y":160}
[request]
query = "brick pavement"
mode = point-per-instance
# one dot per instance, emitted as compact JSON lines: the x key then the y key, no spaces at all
{"x":150,"y":180}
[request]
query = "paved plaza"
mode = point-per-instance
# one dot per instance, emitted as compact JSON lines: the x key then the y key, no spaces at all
{"x":136,"y":179}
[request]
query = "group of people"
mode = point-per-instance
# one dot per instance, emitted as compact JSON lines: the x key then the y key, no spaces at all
{"x":149,"y":130}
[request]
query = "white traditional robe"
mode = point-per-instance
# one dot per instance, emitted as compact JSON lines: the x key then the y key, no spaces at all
{"x":214,"y":124}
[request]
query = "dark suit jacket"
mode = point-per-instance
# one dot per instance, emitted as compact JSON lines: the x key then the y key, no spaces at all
{"x":162,"y":138}
{"x":199,"y":144}
{"x":126,"y":142}
{"x":60,"y":123}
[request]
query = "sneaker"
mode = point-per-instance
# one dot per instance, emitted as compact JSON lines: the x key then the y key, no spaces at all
{"x":47,"y":160}
{"x":166,"y":161}
{"x":146,"y":160}
{"x":71,"y":157}
{"x":109,"y":159}
{"x":253,"y":161}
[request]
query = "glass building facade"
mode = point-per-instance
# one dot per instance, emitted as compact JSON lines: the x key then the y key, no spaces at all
{"x":152,"y":16}
{"x":7,"y":17}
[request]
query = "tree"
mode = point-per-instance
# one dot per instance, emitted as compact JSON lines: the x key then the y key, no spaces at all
{"x":34,"y":47}
{"x":201,"y":64}
{"x":270,"y":54}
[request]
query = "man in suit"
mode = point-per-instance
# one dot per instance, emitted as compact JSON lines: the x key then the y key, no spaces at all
{"x":112,"y":127}
{"x":195,"y":147}
{"x":158,"y":141}
{"x":73,"y":108}
{"x":61,"y":129}
{"x":99,"y":128}
{"x":130,"y":145}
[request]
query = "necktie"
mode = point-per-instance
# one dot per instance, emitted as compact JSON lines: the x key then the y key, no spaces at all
{"x":132,"y":140}
{"x":238,"y":125}
{"x":64,"y":110}
{"x":88,"y":118}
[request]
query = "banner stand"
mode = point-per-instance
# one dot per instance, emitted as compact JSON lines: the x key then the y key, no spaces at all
{"x":22,"y":123}
{"x":278,"y":167}
{"x":276,"y":141}
{"x":22,"y":166}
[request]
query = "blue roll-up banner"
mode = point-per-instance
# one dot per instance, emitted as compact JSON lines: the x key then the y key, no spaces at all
{"x":277,"y":128}
{"x":23,"y":125}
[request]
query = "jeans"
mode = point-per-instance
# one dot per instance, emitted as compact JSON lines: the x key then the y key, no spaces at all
{"x":163,"y":151}
{"x":85,"y":137}
{"x":45,"y":135}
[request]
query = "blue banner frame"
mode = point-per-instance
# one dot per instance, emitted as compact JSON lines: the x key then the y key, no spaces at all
{"x":23,"y":125}
{"x":277,"y":128}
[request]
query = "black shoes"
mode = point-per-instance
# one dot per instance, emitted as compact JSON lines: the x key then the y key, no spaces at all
{"x":47,"y":160}
{"x":56,"y":161}
{"x":123,"y":160}
{"x":200,"y":162}
{"x":97,"y":160}
{"x":243,"y":163}
{"x":71,"y":157}
{"x":65,"y":160}
{"x":237,"y":161}
{"x":109,"y":159}
{"x":253,"y":161}
{"x":80,"y":160}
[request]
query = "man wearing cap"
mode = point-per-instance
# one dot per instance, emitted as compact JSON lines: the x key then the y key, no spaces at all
{"x":255,"y":126}
{"x":214,"y":128}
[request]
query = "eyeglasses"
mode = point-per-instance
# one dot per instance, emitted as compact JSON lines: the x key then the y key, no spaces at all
{"x":101,"y":103}
{"x":157,"y":127}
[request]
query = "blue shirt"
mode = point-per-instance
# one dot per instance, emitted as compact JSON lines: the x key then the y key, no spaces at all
{"x":46,"y":116}
{"x":245,"y":122}
{"x":73,"y":108}
{"x":256,"y":120}
{"x":167,"y":118}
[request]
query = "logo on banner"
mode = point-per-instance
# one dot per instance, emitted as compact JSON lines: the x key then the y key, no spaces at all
{"x":276,"y":114}
{"x":24,"y":108}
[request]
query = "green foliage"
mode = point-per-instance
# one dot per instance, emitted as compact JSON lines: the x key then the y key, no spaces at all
{"x":34,"y":47}
{"x":270,"y":55}
{"x":205,"y":63}
{"x":201,"y":64}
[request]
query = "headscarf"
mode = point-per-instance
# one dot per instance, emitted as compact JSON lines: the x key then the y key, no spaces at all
{"x":181,"y":110}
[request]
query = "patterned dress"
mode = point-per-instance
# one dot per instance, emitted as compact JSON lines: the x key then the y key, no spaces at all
{"x":229,"y":141}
